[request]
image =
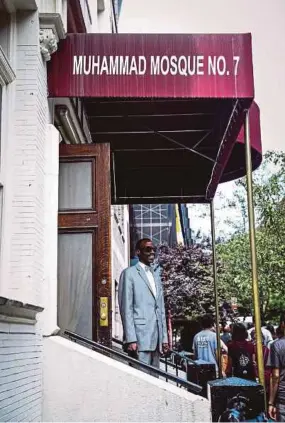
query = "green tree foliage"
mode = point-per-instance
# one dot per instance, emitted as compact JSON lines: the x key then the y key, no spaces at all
{"x":188,"y":281}
{"x":234,"y":254}
{"x":187,"y":274}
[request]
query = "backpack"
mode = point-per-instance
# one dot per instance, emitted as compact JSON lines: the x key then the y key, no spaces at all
{"x":243,"y":366}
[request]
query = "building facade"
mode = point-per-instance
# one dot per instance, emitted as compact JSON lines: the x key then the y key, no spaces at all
{"x":154,"y":221}
{"x":36,"y":265}
{"x":167,"y":224}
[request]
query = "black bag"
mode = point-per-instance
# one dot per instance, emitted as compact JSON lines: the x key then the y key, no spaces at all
{"x":201,"y":374}
{"x":242,"y":364}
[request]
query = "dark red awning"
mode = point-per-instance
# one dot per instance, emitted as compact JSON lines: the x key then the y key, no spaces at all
{"x":170,"y":105}
{"x":235,"y":167}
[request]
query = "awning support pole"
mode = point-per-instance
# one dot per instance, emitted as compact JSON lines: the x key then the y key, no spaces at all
{"x":216,"y":288}
{"x":256,"y":303}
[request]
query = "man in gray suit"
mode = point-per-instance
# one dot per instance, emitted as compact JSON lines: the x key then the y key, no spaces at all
{"x":142,"y":307}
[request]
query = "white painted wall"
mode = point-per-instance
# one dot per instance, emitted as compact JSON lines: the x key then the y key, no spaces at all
{"x":20,"y":372}
{"x":23,"y":175}
{"x":26,"y":180}
{"x":48,"y":318}
{"x":82,"y":385}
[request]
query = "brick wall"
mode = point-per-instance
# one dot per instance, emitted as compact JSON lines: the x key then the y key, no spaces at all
{"x":24,"y":173}
{"x":22,"y":265}
{"x":20,"y":372}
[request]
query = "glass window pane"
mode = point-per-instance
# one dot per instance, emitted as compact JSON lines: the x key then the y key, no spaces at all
{"x":75,"y":283}
{"x":75,"y":186}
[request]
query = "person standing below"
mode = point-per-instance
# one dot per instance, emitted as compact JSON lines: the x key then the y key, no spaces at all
{"x":226,"y":335}
{"x":271,"y":329}
{"x":266,"y":335}
{"x":205,"y":342}
{"x":241,"y":356}
{"x":142,"y":309}
{"x":276,"y":405}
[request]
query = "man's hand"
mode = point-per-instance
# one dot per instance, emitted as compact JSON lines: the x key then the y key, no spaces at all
{"x":272,"y":412}
{"x":133,"y":346}
{"x":165,"y":348}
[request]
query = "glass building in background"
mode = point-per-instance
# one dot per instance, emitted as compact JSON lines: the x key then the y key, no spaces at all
{"x":159,"y":223}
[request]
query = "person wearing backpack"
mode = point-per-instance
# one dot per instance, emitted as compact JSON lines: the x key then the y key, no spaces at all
{"x":241,"y":354}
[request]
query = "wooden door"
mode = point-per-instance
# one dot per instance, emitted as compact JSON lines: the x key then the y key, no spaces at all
{"x":84,"y":246}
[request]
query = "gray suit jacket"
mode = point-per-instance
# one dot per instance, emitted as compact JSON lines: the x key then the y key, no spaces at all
{"x":143,"y":315}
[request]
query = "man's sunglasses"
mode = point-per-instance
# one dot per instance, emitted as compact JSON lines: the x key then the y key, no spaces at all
{"x":149,"y":249}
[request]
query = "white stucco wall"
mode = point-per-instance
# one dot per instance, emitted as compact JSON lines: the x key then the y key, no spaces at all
{"x":82,"y":385}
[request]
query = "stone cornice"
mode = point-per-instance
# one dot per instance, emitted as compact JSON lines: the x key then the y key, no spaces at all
{"x":48,"y":43}
{"x":7,"y":74}
{"x":51,"y":31}
{"x":18,"y":312}
{"x":53,"y":21}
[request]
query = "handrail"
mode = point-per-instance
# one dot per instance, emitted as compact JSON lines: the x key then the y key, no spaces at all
{"x":191,"y":387}
{"x":164,"y":359}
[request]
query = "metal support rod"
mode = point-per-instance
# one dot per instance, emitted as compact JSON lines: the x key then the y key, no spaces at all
{"x":256,"y":304}
{"x":219,"y":355}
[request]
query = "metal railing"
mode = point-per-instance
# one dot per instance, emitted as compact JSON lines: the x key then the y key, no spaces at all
{"x":166,"y":360}
{"x":121,"y":356}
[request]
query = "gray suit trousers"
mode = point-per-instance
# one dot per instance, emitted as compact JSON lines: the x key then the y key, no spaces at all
{"x":150,"y":357}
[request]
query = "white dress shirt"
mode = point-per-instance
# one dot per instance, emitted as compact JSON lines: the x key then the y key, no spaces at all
{"x":150,"y":277}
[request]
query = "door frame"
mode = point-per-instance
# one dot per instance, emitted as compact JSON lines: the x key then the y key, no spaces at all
{"x":96,"y":221}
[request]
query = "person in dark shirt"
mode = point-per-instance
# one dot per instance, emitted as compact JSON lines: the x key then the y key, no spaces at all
{"x":276,"y":405}
{"x":271,"y":329}
{"x":241,"y":354}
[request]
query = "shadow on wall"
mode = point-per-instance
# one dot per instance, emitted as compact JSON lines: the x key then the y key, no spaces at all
{"x":82,"y":385}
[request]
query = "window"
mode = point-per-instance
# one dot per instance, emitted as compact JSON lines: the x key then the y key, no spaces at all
{"x":75,"y":186}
